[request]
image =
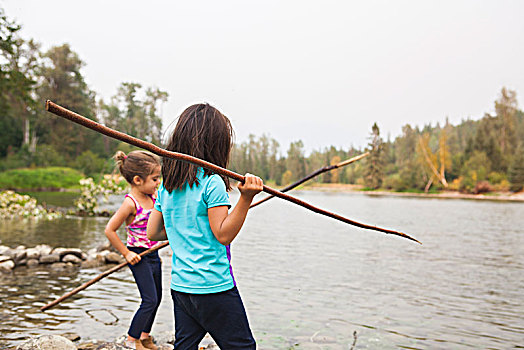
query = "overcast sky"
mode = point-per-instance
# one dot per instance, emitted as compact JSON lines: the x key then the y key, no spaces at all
{"x":319,"y":71}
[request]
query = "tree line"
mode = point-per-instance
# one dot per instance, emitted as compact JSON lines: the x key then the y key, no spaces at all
{"x":474,"y":156}
{"x":29,"y":76}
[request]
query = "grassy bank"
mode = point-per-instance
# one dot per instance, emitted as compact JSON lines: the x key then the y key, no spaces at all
{"x":52,"y":178}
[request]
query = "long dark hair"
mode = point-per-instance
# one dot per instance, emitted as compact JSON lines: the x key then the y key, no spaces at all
{"x":202,"y":132}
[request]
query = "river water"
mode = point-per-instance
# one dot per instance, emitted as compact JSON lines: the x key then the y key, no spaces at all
{"x":309,"y":282}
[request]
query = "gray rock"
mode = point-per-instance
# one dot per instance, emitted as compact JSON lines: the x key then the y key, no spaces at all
{"x":89,"y":345}
{"x":65,"y":251}
{"x":32,"y":253}
{"x":111,"y":346}
{"x":47,"y":342}
{"x":165,"y":337}
{"x":32,"y":263}
{"x":72,"y":259}
{"x":3,"y":249}
{"x":84,"y":256}
{"x":166,"y":347}
{"x":91,"y":254}
{"x":59,"y":266}
{"x":105,"y":246}
{"x":20,"y":255}
{"x":121,"y":339}
{"x":7,"y":266}
{"x":101,"y":256}
{"x":49,"y":259}
{"x":71,"y":336}
{"x":114,"y":258}
{"x":89,"y":264}
{"x":44,"y":249}
{"x":5,"y":258}
{"x":21,"y":262}
{"x":11,"y":252}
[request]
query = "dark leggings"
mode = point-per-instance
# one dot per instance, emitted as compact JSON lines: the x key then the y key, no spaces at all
{"x":148,"y":278}
{"x":222,"y":315}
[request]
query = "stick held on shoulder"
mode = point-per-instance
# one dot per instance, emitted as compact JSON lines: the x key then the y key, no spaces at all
{"x":88,"y":123}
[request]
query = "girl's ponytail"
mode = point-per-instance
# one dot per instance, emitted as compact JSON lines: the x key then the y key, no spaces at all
{"x":119,"y":158}
{"x":136,"y":163}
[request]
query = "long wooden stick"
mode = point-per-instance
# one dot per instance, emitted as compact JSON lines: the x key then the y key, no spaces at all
{"x":312,"y":175}
{"x":164,"y":244}
{"x":77,"y":118}
{"x":99,"y":277}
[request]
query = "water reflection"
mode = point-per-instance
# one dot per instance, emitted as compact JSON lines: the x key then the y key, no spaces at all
{"x":309,"y":282}
{"x":54,"y":199}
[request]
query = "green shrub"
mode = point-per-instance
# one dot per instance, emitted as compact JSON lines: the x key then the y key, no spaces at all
{"x":394,"y":182}
{"x":89,"y":163}
{"x":15,"y":205}
{"x":53,"y":177}
{"x":496,"y":177}
{"x":46,"y":156}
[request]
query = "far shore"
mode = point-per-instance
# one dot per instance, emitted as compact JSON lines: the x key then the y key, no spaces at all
{"x":492,"y":196}
{"x":323,"y":187}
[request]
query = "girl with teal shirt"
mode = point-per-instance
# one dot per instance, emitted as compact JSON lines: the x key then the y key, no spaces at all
{"x":192,"y":212}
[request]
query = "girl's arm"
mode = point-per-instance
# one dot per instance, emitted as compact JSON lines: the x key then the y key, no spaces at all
{"x":155,"y":226}
{"x":126,"y":209}
{"x":226,"y":227}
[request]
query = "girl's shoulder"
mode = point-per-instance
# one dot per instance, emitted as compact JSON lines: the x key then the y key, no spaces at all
{"x":128,"y":205}
{"x":213,"y":180}
{"x":131,"y":201}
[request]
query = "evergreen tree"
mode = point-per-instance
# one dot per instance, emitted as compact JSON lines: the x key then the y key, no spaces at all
{"x":275,"y":171}
{"x":516,"y":172}
{"x":374,"y":171}
{"x":295,"y":161}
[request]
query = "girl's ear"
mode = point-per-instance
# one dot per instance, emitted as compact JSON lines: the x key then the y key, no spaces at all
{"x":137,"y":180}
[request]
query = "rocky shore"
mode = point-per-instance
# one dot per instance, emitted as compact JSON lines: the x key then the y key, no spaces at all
{"x":56,"y":258}
{"x":72,"y":341}
{"x":60,"y":259}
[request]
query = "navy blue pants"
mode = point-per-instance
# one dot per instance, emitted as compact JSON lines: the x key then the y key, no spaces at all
{"x":222,"y":315}
{"x":148,"y":277}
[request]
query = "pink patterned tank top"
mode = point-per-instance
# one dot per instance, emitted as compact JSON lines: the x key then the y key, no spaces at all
{"x":136,"y":231}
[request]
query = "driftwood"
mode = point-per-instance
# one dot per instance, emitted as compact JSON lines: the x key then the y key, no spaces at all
{"x":99,"y":277}
{"x":439,"y":175}
{"x":312,"y":175}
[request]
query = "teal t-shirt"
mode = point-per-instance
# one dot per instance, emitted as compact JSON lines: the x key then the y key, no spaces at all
{"x":200,"y":264}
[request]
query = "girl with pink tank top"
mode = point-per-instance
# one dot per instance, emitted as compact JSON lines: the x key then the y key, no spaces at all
{"x":142,"y":171}
{"x":136,"y":230}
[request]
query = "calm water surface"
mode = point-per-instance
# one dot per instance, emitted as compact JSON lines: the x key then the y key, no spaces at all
{"x":309,"y":282}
